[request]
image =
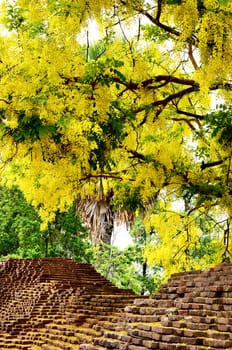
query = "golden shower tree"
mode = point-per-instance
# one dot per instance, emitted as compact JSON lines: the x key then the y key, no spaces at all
{"x":121,"y":115}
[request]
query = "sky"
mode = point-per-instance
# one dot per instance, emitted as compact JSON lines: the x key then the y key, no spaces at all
{"x":121,"y":237}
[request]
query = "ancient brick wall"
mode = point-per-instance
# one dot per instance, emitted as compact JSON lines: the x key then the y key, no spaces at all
{"x":192,"y":311}
{"x":57,"y":304}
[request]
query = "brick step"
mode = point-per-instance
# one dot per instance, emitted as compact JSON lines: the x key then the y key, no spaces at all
{"x":113,"y":297}
{"x":120,"y":335}
{"x":217,"y":343}
{"x":147,"y":344}
{"x":107,"y":303}
{"x":88,"y":312}
{"x":108,"y":326}
{"x":146,"y":331}
{"x":137,"y":347}
{"x":184,"y":335}
{"x":45,"y":311}
{"x":38,"y":342}
{"x":14,"y":343}
{"x":140,"y":318}
{"x":201,"y":313}
{"x":113,"y":318}
{"x":204,"y":326}
{"x":98,"y":309}
{"x":68,"y":329}
{"x":13,"y":347}
{"x":32,"y":335}
{"x":133,"y":309}
{"x":107,"y":343}
{"x":51,"y":337}
{"x":89,"y":331}
{"x":36,"y":347}
{"x":91,"y":347}
{"x":59,"y":345}
{"x":210,"y":321}
{"x":83,"y":338}
{"x":36,"y":323}
{"x":12,"y":328}
{"x":51,"y":347}
{"x":200,"y":306}
{"x":65,"y":332}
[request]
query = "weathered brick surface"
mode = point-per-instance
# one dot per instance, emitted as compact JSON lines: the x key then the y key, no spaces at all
{"x":194,"y":311}
{"x":48,"y":304}
{"x":57,"y":304}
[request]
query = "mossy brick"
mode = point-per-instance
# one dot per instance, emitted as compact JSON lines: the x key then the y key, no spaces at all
{"x":217,"y":343}
{"x":150,"y":344}
{"x":191,"y":312}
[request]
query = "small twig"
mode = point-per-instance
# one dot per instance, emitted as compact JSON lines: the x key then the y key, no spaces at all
{"x":139,"y":30}
{"x":188,"y":121}
{"x":100,"y":176}
{"x":192,"y":59}
{"x":87,"y":46}
{"x":226,"y":256}
{"x":228,"y":171}
{"x":189,"y":114}
{"x":3,"y":100}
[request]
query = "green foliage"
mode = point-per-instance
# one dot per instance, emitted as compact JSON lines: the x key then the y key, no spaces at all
{"x":149,"y":276}
{"x":116,"y":266}
{"x":206,"y":249}
{"x":15,"y":17}
{"x":38,"y":28}
{"x":123,"y":114}
{"x":155,"y":34}
{"x":206,"y":191}
{"x":173,"y":2}
{"x":30,"y":127}
{"x":21,"y":237}
{"x":20,"y":233}
{"x":223,"y":2}
{"x":68,"y":238}
{"x":131,"y":199}
{"x":128,"y":268}
{"x":219,"y":124}
{"x":19,"y":224}
{"x":208,"y":244}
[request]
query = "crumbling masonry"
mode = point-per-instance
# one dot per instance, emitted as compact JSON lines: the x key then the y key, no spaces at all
{"x":58,"y":304}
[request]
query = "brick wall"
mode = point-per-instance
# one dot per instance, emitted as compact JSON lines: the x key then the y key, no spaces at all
{"x":57,"y":304}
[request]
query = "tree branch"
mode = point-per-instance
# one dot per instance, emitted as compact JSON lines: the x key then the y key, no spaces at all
{"x":159,"y":10}
{"x":220,"y":85}
{"x":163,"y":103}
{"x":211,"y":164}
{"x":195,"y":208}
{"x":156,"y":21}
{"x":136,"y":154}
{"x":148,"y":83}
{"x":178,"y":94}
{"x":228,"y":172}
{"x":189,"y":114}
{"x":192,"y":59}
{"x":106,"y":176}
{"x":87,"y":46}
{"x":188,"y":121}
{"x":5,"y":101}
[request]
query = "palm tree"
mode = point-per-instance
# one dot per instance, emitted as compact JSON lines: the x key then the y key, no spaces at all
{"x":100,"y":215}
{"x":97,"y":213}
